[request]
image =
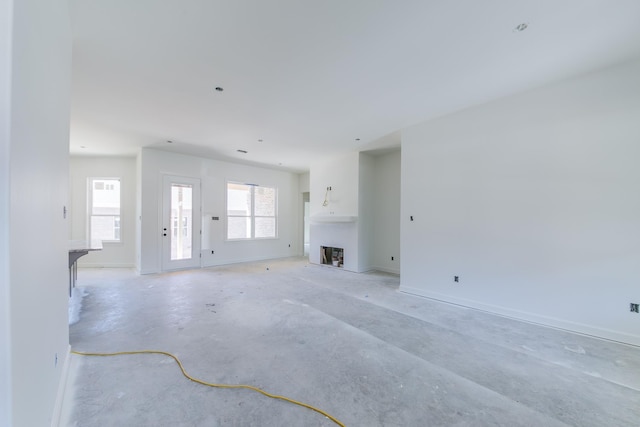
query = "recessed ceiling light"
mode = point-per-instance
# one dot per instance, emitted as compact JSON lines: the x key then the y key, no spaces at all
{"x":521,"y":27}
{"x":83,"y":146}
{"x":169,"y":142}
{"x":219,"y":89}
{"x":357,"y":139}
{"x":242,"y":151}
{"x":259,"y":140}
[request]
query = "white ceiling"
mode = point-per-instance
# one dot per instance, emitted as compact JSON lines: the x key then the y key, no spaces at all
{"x":309,"y":77}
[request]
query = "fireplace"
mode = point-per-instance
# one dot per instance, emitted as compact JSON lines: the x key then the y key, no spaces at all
{"x":332,"y":256}
{"x":330,"y":241}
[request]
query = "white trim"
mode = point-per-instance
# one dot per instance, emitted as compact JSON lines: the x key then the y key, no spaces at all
{"x":552,"y":322}
{"x":333,"y":218}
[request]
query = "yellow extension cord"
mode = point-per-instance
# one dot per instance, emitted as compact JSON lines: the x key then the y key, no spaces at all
{"x":273,"y":396}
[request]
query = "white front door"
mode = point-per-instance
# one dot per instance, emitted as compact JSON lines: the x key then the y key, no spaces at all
{"x":180,"y":223}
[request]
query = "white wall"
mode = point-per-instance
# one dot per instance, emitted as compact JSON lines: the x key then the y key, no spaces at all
{"x":386,"y":212}
{"x":366,"y":231}
{"x":6,"y":12}
{"x":36,"y":265}
{"x":341,"y":174}
{"x":213,"y":175}
{"x":121,"y":254}
{"x":304,"y":187}
{"x":138,"y":216}
{"x":533,"y":201}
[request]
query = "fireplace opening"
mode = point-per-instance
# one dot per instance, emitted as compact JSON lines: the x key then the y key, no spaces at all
{"x":332,"y":256}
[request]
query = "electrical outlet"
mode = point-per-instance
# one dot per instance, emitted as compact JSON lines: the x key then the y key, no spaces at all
{"x":212,"y":252}
{"x":634,"y":308}
{"x":456,"y":279}
{"x":391,"y":258}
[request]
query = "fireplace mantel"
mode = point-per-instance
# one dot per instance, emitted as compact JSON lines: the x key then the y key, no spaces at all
{"x":334,"y":218}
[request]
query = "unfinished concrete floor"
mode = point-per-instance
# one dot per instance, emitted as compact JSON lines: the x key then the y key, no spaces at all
{"x":350,"y":344}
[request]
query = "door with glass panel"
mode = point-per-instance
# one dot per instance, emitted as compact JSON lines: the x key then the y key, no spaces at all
{"x":180,"y":223}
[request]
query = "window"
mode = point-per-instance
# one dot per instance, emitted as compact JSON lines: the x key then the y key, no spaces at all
{"x":251,"y":211}
{"x":104,"y":209}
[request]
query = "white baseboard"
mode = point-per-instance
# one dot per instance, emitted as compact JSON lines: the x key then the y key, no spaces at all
{"x":62,"y":386}
{"x":529,"y":317}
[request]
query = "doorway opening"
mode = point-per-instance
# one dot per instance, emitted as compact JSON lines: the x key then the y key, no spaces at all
{"x":306,"y":222}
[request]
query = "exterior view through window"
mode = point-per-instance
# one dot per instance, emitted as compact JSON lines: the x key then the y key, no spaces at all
{"x":251,"y":211}
{"x":181,"y":221}
{"x":104,"y":209}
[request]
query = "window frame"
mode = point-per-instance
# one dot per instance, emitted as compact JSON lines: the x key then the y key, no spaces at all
{"x":252,"y":216}
{"x":90,"y":196}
